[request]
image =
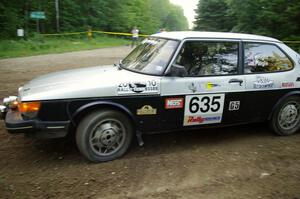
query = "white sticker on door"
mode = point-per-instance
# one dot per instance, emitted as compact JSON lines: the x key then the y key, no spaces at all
{"x":203,"y":109}
{"x":234,"y":105}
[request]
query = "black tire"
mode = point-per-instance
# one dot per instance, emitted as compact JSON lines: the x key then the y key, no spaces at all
{"x":102,"y":131}
{"x":285,"y":119}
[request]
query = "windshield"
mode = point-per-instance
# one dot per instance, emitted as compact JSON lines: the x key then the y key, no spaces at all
{"x":151,"y":56}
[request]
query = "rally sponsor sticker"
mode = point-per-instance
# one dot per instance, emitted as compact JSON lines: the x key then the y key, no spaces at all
{"x":203,"y":109}
{"x":287,"y":85}
{"x":196,"y":120}
{"x":146,"y":87}
{"x":173,"y":103}
{"x":202,"y":86}
{"x":263,"y":83}
{"x":210,"y":85}
{"x":146,"y":110}
{"x":234,"y":105}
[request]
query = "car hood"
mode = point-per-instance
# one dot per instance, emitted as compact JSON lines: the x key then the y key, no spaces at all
{"x":100,"y":81}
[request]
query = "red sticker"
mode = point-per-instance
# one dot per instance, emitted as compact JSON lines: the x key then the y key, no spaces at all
{"x":173,"y":103}
{"x":288,"y":85}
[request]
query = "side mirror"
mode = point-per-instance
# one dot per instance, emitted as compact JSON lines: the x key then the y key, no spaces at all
{"x":177,"y":71}
{"x":119,"y":64}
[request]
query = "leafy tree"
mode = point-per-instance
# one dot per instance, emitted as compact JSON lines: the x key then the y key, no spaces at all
{"x":213,"y":15}
{"x":9,"y":17}
{"x":276,"y":18}
{"x":77,"y":15}
{"x":175,"y":19}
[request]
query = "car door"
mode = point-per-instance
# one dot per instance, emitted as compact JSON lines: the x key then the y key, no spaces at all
{"x":210,"y":91}
{"x":269,"y":75}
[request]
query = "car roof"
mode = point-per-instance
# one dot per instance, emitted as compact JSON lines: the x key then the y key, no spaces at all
{"x":181,"y":35}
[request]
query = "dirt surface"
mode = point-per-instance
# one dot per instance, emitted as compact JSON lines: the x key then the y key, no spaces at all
{"x":236,"y":162}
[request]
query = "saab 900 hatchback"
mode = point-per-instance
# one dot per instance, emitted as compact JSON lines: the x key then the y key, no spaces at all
{"x":171,"y":81}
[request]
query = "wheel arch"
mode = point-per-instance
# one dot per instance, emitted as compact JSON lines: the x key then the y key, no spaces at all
{"x":87,"y":108}
{"x":292,"y":93}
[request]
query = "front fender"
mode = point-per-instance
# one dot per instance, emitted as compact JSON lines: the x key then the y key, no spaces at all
{"x":109,"y":104}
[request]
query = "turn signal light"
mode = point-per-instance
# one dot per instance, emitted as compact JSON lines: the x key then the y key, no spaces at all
{"x":29,"y":107}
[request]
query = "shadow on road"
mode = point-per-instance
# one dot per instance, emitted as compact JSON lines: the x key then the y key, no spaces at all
{"x":162,"y":143}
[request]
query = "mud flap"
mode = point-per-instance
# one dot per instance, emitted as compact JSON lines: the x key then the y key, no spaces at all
{"x":139,"y":138}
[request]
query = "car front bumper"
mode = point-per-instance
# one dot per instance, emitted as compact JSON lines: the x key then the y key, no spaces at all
{"x":15,"y":123}
{"x":3,"y":111}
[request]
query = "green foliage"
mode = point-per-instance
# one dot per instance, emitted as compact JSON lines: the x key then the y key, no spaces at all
{"x":77,"y":15}
{"x":213,"y":15}
{"x":9,"y":21}
{"x":175,"y":19}
{"x":275,"y":18}
{"x":37,"y":45}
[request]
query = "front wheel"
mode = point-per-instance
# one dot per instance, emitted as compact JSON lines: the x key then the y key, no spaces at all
{"x":104,"y":135}
{"x":286,"y":118}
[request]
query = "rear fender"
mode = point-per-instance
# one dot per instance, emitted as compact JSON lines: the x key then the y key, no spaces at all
{"x":292,"y":93}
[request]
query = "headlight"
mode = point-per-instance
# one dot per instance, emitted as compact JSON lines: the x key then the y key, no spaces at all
{"x":11,"y":102}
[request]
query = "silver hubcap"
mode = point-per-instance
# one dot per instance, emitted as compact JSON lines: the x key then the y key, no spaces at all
{"x":107,"y":137}
{"x":289,"y":116}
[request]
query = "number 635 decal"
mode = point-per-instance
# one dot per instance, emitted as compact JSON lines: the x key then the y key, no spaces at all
{"x":203,"y":109}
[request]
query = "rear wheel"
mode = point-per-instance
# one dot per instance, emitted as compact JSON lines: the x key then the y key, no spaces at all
{"x":104,"y":135}
{"x":286,"y":118}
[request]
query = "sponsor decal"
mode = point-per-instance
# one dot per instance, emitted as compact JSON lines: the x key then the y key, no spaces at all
{"x":263,"y":82}
{"x":210,"y":85}
{"x":173,"y":103}
{"x":203,"y":109}
{"x":287,"y":85}
{"x":159,"y":68}
{"x":149,"y":41}
{"x":146,"y":110}
{"x":194,"y":120}
{"x":137,"y":87}
{"x":148,"y":87}
{"x":192,"y":86}
{"x":202,"y":86}
{"x":234,"y":105}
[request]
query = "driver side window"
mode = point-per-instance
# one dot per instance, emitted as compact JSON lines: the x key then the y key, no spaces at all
{"x":206,"y":58}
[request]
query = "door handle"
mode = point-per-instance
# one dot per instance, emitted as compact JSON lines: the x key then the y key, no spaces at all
{"x":240,"y":81}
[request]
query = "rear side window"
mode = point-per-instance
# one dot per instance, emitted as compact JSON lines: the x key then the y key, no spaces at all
{"x":264,"y":58}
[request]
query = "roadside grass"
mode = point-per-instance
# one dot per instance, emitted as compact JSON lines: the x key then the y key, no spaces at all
{"x":39,"y":45}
